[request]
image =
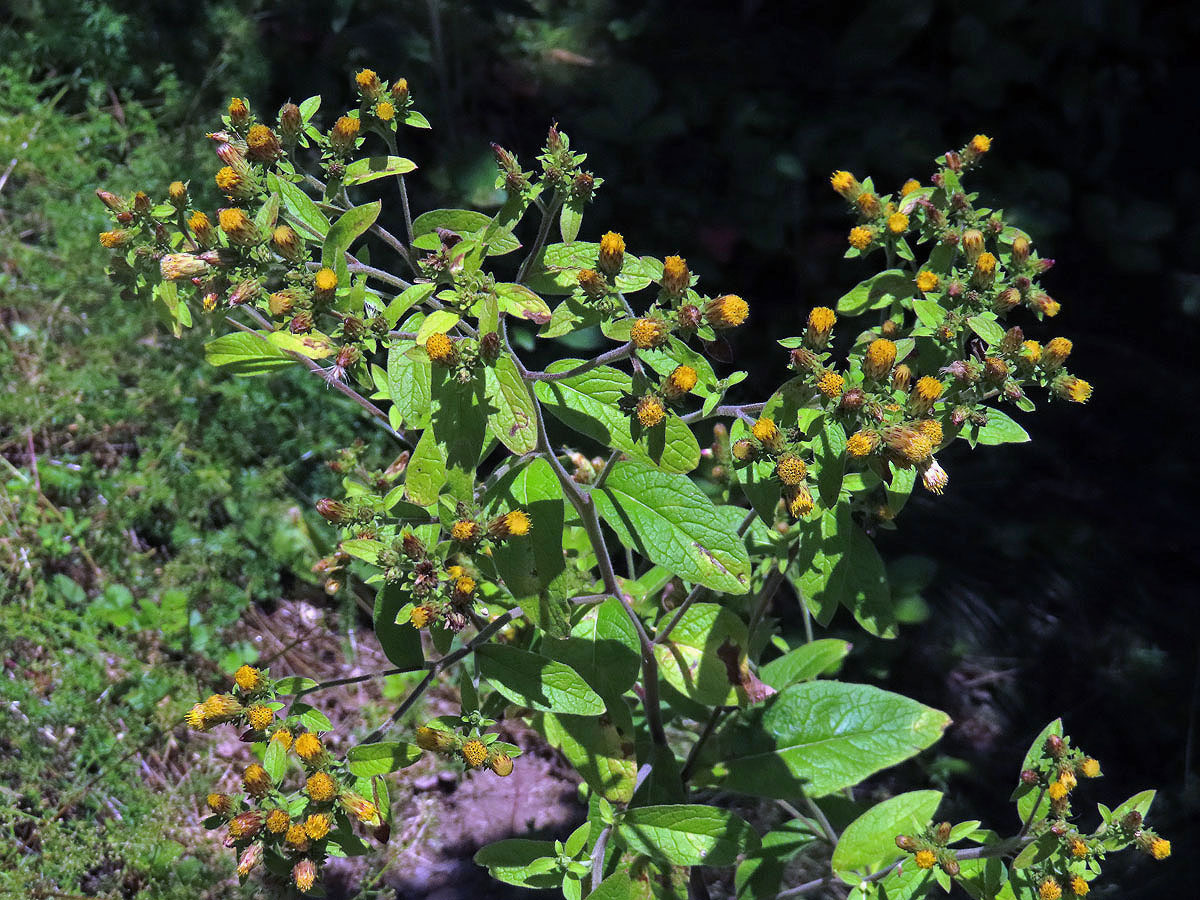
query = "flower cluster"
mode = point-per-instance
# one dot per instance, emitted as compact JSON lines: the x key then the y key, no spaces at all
{"x":783,"y":448}
{"x":290,"y":831}
{"x":468,"y":743}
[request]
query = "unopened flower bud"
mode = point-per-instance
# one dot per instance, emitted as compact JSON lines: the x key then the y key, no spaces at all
{"x":942,"y":833}
{"x":244,"y":292}
{"x":802,"y":359}
{"x":972,"y":245}
{"x":400,"y":92}
{"x":1013,"y":338}
{"x":901,"y":377}
{"x":239,"y":111}
{"x":744,"y":450}
{"x":1020,"y":249}
{"x":950,"y":866}
{"x":301,"y":323}
{"x":334,"y":510}
{"x":111,"y":200}
{"x":245,"y":825}
{"x":181,"y":266}
{"x":821,"y":320}
{"x":1055,"y":746}
{"x":592,"y":283}
{"x":500,"y":763}
{"x":289,"y":122}
{"x":689,"y":317}
{"x":953,"y":161}
{"x":853,"y":399}
{"x":1007,"y":300}
{"x":1056,"y":353}
{"x":906,"y":842}
{"x":676,"y":277}
{"x":612,"y":254}
{"x":141,"y":203}
{"x":343,"y":135}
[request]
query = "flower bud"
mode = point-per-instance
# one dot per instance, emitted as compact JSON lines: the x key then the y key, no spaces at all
{"x":862,"y":443}
{"x":290,"y":122}
{"x":821,"y":320}
{"x":845,"y":184}
{"x":901,"y":377}
{"x":995,"y":369}
{"x":181,"y":266}
{"x":879,"y":358}
{"x":1055,"y":746}
{"x":1071,"y":388}
{"x":219,"y":804}
{"x":950,"y":866}
{"x":400,"y":92}
{"x":301,"y":323}
{"x":141,"y":203}
{"x":953,"y":161}
{"x":767,"y":433}
{"x":1007,"y":300}
{"x":1020,"y":249}
{"x":802,"y":359}
{"x":343,"y":135}
{"x":262,"y":144}
{"x":489,"y":347}
{"x":1029,"y":776}
{"x":906,"y":842}
{"x":359,"y":807}
{"x":1056,"y":353}
{"x":239,"y":112}
{"x":368,"y":83}
{"x":927,"y":391}
{"x":942,"y":833}
{"x":676,"y":277}
{"x":612,"y":254}
{"x":111,"y":200}
{"x":500,"y":763}
{"x":972,"y":245}
{"x":287,"y":243}
{"x":244,"y":292}
{"x":985,"y":270}
{"x":334,"y":511}
{"x":593,"y":285}
{"x":853,"y":399}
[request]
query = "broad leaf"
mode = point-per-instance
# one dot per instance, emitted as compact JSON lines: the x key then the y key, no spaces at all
{"x":602,"y":754}
{"x":670,"y":521}
{"x":687,"y":834}
{"x":529,"y":679}
{"x":822,"y":736}
{"x":344,"y":232}
{"x":876,"y":291}
{"x":603,"y":648}
{"x":692,"y":659}
{"x":300,"y":209}
{"x":869,"y":842}
{"x":466,"y":223}
{"x":363,"y":170}
{"x":1027,"y":795}
{"x":247,"y":354}
{"x":1000,"y":429}
{"x":409,"y":378}
{"x":521,"y":862}
{"x":426,"y":472}
{"x":366,"y":760}
{"x":588,"y":403}
{"x":511,"y":414}
{"x":805,"y":663}
{"x":518,"y":300}
{"x":401,"y":643}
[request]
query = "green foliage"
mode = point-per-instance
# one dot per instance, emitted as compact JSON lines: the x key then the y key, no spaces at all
{"x":659,"y":686}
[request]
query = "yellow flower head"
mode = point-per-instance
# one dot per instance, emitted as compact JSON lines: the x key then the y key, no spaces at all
{"x":296,"y":837}
{"x":932,"y":429}
{"x":221,"y":708}
{"x":927,"y":281}
{"x":501,"y":764}
{"x":650,"y":411}
{"x":843,"y":182}
{"x":248,"y":678}
{"x":287,"y":243}
{"x":465,"y":531}
{"x":325,"y":281}
{"x":260,"y":717}
{"x":239,"y":112}
{"x":278,"y":821}
{"x":727,"y":311}
{"x":308,"y":746}
{"x":1078,"y":848}
{"x":830,"y":384}
{"x":929,"y":389}
{"x":1049,"y":889}
{"x":1030,"y":353}
{"x":250,"y":858}
{"x":909,"y":186}
{"x":320,"y":787}
{"x":766,"y":431}
{"x":385,"y":111}
{"x":591,"y":282}
{"x":195,"y":718}
{"x":647,"y":333}
{"x":368,"y":82}
{"x":420,"y":616}
{"x":219,"y":803}
{"x":612,"y":253}
{"x":1056,"y":353}
{"x":345,"y":131}
{"x":440,"y":349}
{"x":304,"y":874}
{"x":799,"y":501}
{"x":908,"y":443}
{"x":474,"y":753}
{"x":879,"y":359}
{"x":200,"y":226}
{"x":256,"y":780}
{"x":237,"y":226}
{"x":868,"y":204}
{"x":245,"y":824}
{"x":359,"y":807}
{"x":283,"y":736}
{"x":985,"y":268}
{"x":177,"y":192}
{"x":680,"y":382}
{"x":228,"y":180}
{"x":1071,"y":388}
{"x":901,"y":377}
{"x":933,"y":476}
{"x":862,"y":443}
{"x":972,"y":244}
{"x":1067,"y":777}
{"x":743,"y":450}
{"x":464,"y":586}
{"x":860,"y":237}
{"x":1160,"y":848}
{"x":821,"y":320}
{"x":1090,"y":768}
{"x":676,"y":278}
{"x":1079,"y":886}
{"x":897,"y":223}
{"x":791,"y":470}
{"x":317,"y":826}
{"x":262,"y":145}
{"x":434,"y":739}
{"x":981,"y":143}
{"x":518,"y":522}
{"x":1057,"y":790}
{"x":925,"y":859}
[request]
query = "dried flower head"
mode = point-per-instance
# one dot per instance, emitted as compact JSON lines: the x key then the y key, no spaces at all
{"x":304,"y":874}
{"x":219,"y":803}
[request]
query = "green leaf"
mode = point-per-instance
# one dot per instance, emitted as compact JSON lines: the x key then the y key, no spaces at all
{"x":275,"y":760}
{"x":366,"y":760}
{"x":821,"y":573}
{"x":555,"y":268}
{"x":426,"y":471}
{"x":602,"y":755}
{"x":587,"y":403}
{"x":665,"y":359}
{"x":986,"y":327}
{"x":310,"y":345}
{"x":362,"y":548}
{"x":570,"y":218}
{"x":293,"y":684}
{"x":533,"y":567}
{"x":464,"y":222}
{"x":829,"y":450}
{"x":1000,"y":429}
{"x":512,"y":417}
{"x":760,"y":875}
{"x":805,"y":663}
{"x":689,"y":658}
{"x":529,"y":679}
{"x":930,"y":312}
{"x":822,"y":736}
{"x":867,"y":595}
{"x":401,"y":643}
{"x":1026,"y":795}
{"x":570,"y":316}
{"x":869,"y":842}
{"x":363,"y":170}
{"x":437,"y":322}
{"x":458,"y":421}
{"x":311,"y":717}
{"x":615,"y":887}
{"x":518,"y":300}
{"x":687,"y":834}
{"x":414,"y":119}
{"x":342,"y":233}
{"x":670,"y":521}
{"x":602,"y":648}
{"x":521,"y":862}
{"x":246,"y":354}
{"x":409,"y":378}
{"x":300,"y":209}
{"x":876,"y":291}
{"x":418,"y":293}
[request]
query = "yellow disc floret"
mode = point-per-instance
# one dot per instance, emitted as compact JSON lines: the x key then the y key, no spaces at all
{"x":308,"y":746}
{"x":385,"y":111}
{"x":228,"y":180}
{"x":932,"y":429}
{"x":420,"y":616}
{"x":612,"y":253}
{"x":1079,"y":886}
{"x":1078,"y":848}
{"x":304,"y":874}
{"x":440,"y":349}
{"x":296,"y":837}
{"x":981,"y":143}
{"x":465,"y":531}
{"x":650,"y":411}
{"x":799,"y":501}
{"x":325,"y":281}
{"x":474,"y":753}
{"x":766,"y":431}
{"x":1160,"y":848}
{"x":647,"y":333}
{"x":727,"y":311}
{"x":680,"y":382}
{"x":927,"y":281}
{"x":879,"y":359}
{"x":317,"y":826}
{"x":925,"y":859}
{"x":1057,"y":790}
{"x":675,"y":278}
{"x":862,"y":443}
{"x":248,"y":678}
{"x":260,"y":717}
{"x":868,"y":204}
{"x":518,"y":522}
{"x":278,"y":821}
{"x":909,"y":186}
{"x":830,"y":384}
{"x":791,"y":470}
{"x":897,"y":223}
{"x":219,"y":803}
{"x":1049,"y":889}
{"x":843,"y":182}
{"x":283,"y":736}
{"x":320,"y":787}
{"x":821,"y":320}
{"x":1090,"y":768}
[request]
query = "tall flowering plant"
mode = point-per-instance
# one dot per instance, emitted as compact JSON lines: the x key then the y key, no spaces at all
{"x":557,"y":539}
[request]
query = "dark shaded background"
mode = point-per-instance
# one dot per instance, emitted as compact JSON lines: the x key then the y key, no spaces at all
{"x":1065,"y":568}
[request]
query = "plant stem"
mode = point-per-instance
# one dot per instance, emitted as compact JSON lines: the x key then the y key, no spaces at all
{"x":539,"y":242}
{"x":598,"y":856}
{"x":710,"y":728}
{"x":743,"y":411}
{"x":619,"y":353}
